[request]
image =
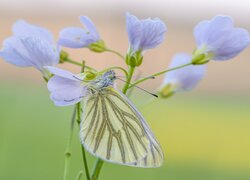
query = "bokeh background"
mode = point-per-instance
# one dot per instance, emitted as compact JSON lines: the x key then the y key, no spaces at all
{"x":205,"y":134}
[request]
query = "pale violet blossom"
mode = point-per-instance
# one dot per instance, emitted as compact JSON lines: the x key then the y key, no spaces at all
{"x":30,"y":46}
{"x":65,"y":87}
{"x":182,"y":79}
{"x":218,"y":39}
{"x":144,"y":34}
{"x":75,"y":37}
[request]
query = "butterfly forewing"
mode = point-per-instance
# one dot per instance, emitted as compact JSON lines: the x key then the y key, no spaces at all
{"x":114,"y":130}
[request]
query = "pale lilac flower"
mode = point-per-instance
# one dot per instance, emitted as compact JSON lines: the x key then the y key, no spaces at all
{"x":219,"y":39}
{"x":182,"y":79}
{"x":30,"y":46}
{"x":65,"y":87}
{"x":144,"y":34}
{"x":75,"y":37}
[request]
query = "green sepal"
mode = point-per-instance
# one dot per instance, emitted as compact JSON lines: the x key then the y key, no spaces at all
{"x":98,"y":46}
{"x":132,"y":61}
{"x":139,"y":61}
{"x":167,"y":91}
{"x":127,"y":59}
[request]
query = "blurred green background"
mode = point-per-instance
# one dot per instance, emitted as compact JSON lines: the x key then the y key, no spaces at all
{"x":205,"y":134}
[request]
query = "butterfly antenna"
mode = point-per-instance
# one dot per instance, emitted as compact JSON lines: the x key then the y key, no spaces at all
{"x":148,"y":77}
{"x":77,"y":78}
{"x":155,"y":95}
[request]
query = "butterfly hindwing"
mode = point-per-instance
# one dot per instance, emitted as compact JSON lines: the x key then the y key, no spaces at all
{"x":155,"y":155}
{"x":113,"y":130}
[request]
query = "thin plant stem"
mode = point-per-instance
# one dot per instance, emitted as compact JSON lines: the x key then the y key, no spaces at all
{"x":79,"y":175}
{"x":79,"y":112}
{"x":97,"y":169}
{"x":79,"y":115}
{"x":68,"y":60}
{"x":68,"y":147}
{"x":157,"y":74}
{"x":115,"y":52}
{"x":130,"y":75}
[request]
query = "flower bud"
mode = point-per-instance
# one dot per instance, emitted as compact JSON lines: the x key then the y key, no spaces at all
{"x":89,"y":75}
{"x":63,"y":56}
{"x":167,"y":91}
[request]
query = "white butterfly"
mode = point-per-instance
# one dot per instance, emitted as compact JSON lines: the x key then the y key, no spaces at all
{"x":114,"y":130}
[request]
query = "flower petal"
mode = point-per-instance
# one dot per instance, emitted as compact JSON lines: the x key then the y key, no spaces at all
{"x":134,"y":30}
{"x":62,"y":73}
{"x":22,"y":28}
{"x":65,"y":92}
{"x":237,"y":40}
{"x":86,"y":21}
{"x":153,"y":33}
{"x":72,"y":37}
{"x":200,"y":32}
{"x":144,"y":34}
{"x":41,"y":52}
{"x":185,"y":78}
{"x":207,"y":32}
{"x":15,"y":53}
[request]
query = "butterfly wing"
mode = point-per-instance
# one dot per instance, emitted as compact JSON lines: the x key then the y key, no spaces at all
{"x":155,"y":156}
{"x":113,"y":130}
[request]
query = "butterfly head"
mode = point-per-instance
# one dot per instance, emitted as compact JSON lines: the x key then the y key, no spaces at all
{"x":103,"y":80}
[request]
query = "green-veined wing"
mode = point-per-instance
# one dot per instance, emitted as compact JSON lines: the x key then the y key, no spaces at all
{"x":113,"y":130}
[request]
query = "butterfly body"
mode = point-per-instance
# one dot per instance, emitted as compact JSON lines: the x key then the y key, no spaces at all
{"x":105,"y":80}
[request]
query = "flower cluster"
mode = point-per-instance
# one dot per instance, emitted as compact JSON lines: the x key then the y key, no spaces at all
{"x":30,"y":45}
{"x":33,"y":46}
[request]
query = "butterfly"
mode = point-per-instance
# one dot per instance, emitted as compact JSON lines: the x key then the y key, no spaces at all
{"x":114,"y":130}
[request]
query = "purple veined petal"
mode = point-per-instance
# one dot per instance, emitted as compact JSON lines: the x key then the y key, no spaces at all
{"x":144,"y":34}
{"x":185,"y":78}
{"x":65,"y":92}
{"x":134,"y":30}
{"x":237,"y":40}
{"x":89,"y":25}
{"x":41,"y":52}
{"x":15,"y":53}
{"x":200,"y":32}
{"x":22,"y":28}
{"x":63,"y":73}
{"x":153,"y":33}
{"x":207,"y":32}
{"x":72,"y":37}
{"x":217,"y":26}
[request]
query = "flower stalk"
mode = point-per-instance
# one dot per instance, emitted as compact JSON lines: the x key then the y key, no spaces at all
{"x":68,"y":147}
{"x":158,"y":74}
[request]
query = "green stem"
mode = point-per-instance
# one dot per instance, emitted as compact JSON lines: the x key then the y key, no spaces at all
{"x":157,"y":74}
{"x":79,"y":115}
{"x":68,"y":60}
{"x":83,"y":150}
{"x":115,"y":52}
{"x":97,"y":169}
{"x":79,"y":175}
{"x":68,"y":147}
{"x":130,"y":75}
